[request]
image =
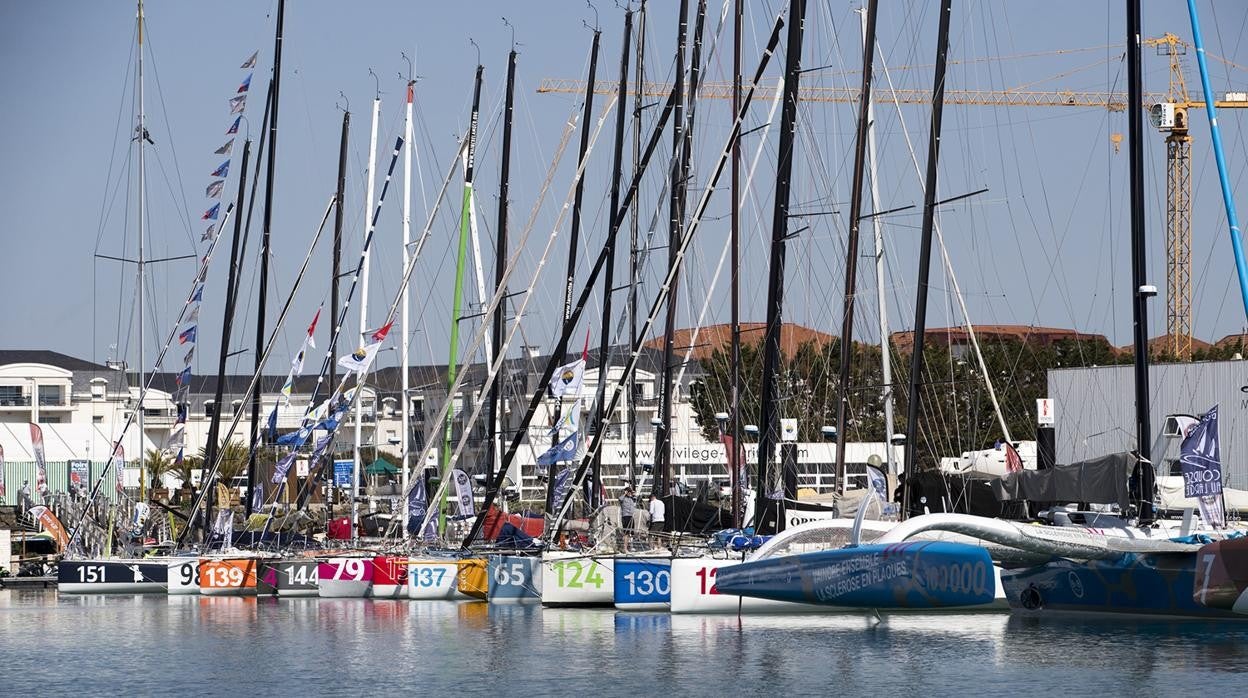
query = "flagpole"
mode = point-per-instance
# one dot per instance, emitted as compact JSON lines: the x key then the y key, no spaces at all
{"x":359,"y":404}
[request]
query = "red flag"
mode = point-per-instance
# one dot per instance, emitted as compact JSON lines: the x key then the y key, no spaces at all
{"x":585,"y":351}
{"x":380,"y":334}
{"x":1013,"y":463}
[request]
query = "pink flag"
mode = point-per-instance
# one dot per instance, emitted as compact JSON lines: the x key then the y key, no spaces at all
{"x":36,"y":440}
{"x":1013,"y":463}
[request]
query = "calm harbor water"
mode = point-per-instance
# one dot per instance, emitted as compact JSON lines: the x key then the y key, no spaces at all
{"x":143,"y":645}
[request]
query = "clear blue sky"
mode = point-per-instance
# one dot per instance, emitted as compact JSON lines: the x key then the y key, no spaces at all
{"x":1047,"y":245}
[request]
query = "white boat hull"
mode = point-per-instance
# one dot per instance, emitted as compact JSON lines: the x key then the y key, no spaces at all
{"x":571,"y":579}
{"x":184,"y":576}
{"x":433,"y":580}
{"x":693,"y":591}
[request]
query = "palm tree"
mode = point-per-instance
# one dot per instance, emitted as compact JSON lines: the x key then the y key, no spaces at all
{"x":233,"y":457}
{"x":157,"y":464}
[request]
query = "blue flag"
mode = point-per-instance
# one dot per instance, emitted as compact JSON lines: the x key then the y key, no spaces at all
{"x":211,"y":214}
{"x":223,"y":170}
{"x":417,"y":508}
{"x":188,"y":335}
{"x":294,"y":438}
{"x":563,"y":485}
{"x":272,"y":425}
{"x":257,"y":498}
{"x":199,"y":294}
{"x":184,"y":376}
{"x":283,"y":467}
{"x":246,"y":83}
{"x":563,"y":451}
{"x":233,"y":127}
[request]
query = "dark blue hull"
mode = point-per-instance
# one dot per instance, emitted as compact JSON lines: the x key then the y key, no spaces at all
{"x":1159,"y":584}
{"x":920,"y":575}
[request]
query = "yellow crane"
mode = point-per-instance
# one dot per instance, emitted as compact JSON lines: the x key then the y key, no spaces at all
{"x":1168,"y":112}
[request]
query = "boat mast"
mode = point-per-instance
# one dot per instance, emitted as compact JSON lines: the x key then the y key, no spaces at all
{"x":457,"y":294}
{"x":500,"y":262}
{"x":227,"y":330}
{"x":336,"y":270}
{"x":768,"y":515}
{"x":734,"y":421}
{"x":925,"y":256}
{"x":404,"y":396}
{"x":640,"y":76}
{"x":574,"y":235}
{"x":662,"y":438}
{"x":264,"y":253}
{"x":886,"y":361}
{"x":851,"y":251}
{"x":1143,"y":477}
{"x":142,"y":137}
{"x":604,"y":347}
{"x":359,"y":404}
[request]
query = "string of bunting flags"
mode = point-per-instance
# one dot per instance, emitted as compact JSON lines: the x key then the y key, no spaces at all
{"x":188,"y":337}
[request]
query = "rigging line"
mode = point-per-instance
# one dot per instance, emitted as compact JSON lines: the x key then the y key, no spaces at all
{"x":495,"y":303}
{"x":160,"y":93}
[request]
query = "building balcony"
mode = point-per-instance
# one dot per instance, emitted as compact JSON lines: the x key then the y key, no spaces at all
{"x":17,"y":401}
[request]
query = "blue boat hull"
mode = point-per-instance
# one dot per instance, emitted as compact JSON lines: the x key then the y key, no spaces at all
{"x":918,"y":575}
{"x":1158,"y":584}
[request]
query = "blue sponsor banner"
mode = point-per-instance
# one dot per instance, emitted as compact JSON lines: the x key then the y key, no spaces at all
{"x":342,"y":473}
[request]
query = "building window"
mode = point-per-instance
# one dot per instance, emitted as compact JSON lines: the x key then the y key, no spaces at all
{"x":11,"y":395}
{"x":97,"y":419}
{"x":98,"y":387}
{"x":51,"y":395}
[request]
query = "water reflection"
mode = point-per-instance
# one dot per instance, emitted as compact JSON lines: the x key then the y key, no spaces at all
{"x":359,"y":645}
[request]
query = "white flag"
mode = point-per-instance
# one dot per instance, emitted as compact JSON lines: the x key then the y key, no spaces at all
{"x":567,"y":380}
{"x":463,"y":492}
{"x":359,"y":360}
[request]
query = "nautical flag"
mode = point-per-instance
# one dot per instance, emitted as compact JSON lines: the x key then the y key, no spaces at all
{"x":119,"y":464}
{"x":190,"y":354}
{"x":294,"y":438}
{"x":233,"y":127}
{"x":1013,"y":463}
{"x":177,"y":436}
{"x":283,"y":467}
{"x":257,"y":497}
{"x":194,"y":315}
{"x":1201,"y":463}
{"x":223,"y":170}
{"x":568,"y":379}
{"x":177,"y":460}
{"x":568,"y":420}
{"x":207,"y":233}
{"x":41,"y":474}
{"x":1,"y":471}
{"x":250,"y":62}
{"x":418,"y":509}
{"x":184,"y":376}
{"x":199,"y":294}
{"x":214,"y":189}
{"x":359,"y":360}
{"x":463,"y":492}
{"x":272,"y":426}
{"x":563,"y":485}
{"x":211,"y":214}
{"x":246,"y":84}
{"x":188,"y":335}
{"x":878,"y":482}
{"x":563,"y":451}
{"x":225,"y":149}
{"x":312,"y":329}
{"x":238,"y":104}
